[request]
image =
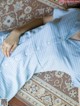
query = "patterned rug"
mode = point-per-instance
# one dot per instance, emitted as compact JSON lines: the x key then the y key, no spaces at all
{"x":44,"y":89}
{"x":49,"y":89}
{"x":15,"y":13}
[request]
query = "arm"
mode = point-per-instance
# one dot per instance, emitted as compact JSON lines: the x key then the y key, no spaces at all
{"x":33,"y":24}
{"x":11,"y":42}
{"x":28,"y":26}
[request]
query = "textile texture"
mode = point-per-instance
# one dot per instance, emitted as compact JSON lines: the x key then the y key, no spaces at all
{"x":49,"y":89}
{"x":70,"y":1}
{"x":62,"y":4}
{"x":44,"y":89}
{"x":18,"y":12}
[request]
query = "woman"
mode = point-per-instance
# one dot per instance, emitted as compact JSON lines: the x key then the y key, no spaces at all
{"x":53,"y":46}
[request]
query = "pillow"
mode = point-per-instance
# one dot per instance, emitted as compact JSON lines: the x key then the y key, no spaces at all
{"x":70,"y":3}
{"x":54,"y":3}
{"x":15,"y":13}
{"x":62,"y":4}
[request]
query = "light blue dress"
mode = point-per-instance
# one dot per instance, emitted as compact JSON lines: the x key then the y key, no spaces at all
{"x":45,"y":48}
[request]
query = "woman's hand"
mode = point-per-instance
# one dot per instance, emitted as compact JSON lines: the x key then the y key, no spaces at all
{"x":10,"y":43}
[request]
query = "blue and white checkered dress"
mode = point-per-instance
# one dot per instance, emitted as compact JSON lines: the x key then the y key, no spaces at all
{"x":45,"y":48}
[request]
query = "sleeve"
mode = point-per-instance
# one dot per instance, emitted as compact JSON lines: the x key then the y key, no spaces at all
{"x":58,"y":13}
{"x":66,"y":24}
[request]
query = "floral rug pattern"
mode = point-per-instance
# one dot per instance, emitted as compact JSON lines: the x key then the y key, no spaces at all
{"x":44,"y":89}
{"x":49,"y":89}
{"x":18,"y":12}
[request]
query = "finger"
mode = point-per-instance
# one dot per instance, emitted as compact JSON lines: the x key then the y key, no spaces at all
{"x":4,"y":48}
{"x":8,"y":51}
{"x":4,"y":51}
{"x":4,"y":43}
{"x":13,"y":48}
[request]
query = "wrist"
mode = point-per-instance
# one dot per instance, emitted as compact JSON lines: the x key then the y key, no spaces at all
{"x":17,"y":32}
{"x":20,"y":30}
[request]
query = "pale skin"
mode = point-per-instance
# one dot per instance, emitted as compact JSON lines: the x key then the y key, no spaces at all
{"x":11,"y":42}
